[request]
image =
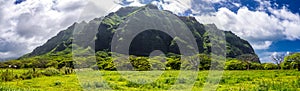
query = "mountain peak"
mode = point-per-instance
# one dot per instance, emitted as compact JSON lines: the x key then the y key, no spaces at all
{"x":104,"y":28}
{"x":151,"y":6}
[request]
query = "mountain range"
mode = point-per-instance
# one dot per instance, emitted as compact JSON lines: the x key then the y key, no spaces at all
{"x":103,"y":29}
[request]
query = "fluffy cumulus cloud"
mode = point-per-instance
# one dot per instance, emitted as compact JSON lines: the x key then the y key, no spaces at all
{"x":27,"y":24}
{"x":260,"y":27}
{"x":179,"y":7}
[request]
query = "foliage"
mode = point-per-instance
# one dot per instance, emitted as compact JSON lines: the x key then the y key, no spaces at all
{"x":256,"y":66}
{"x":22,"y":74}
{"x":292,"y":61}
{"x":235,"y":64}
{"x":269,"y":66}
{"x":51,"y":72}
{"x":173,"y":63}
{"x":205,"y":62}
{"x":250,"y":80}
{"x":104,"y":61}
{"x":7,"y":88}
{"x":29,"y":74}
{"x":8,"y":75}
{"x":140,"y":63}
{"x":157,"y":63}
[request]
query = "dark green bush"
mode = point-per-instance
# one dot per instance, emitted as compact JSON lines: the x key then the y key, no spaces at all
{"x":7,"y":75}
{"x":67,"y":70}
{"x":174,"y":63}
{"x":57,"y":83}
{"x":235,"y":64}
{"x":31,"y":74}
{"x":51,"y":72}
{"x":140,"y":63}
{"x":256,"y":66}
{"x":269,"y":66}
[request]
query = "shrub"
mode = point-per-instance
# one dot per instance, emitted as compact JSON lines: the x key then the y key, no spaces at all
{"x":174,"y":63}
{"x":7,"y":88}
{"x":235,"y":65}
{"x":100,"y":84}
{"x":269,"y":66}
{"x":140,"y":63}
{"x":132,"y":84}
{"x":67,"y":70}
{"x":30,"y":74}
{"x":256,"y":66}
{"x":7,"y":75}
{"x":51,"y":72}
{"x":157,"y":63}
{"x":205,"y":61}
{"x":57,"y":83}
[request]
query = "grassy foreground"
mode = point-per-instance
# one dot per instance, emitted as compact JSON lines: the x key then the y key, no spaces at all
{"x":253,"y":80}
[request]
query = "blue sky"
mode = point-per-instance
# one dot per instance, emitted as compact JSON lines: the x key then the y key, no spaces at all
{"x":280,"y":45}
{"x":19,"y":1}
{"x":271,"y":26}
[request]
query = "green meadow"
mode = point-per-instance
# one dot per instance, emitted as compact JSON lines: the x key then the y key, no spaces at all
{"x":235,"y":80}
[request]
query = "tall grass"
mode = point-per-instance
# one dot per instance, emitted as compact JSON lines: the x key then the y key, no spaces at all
{"x":252,"y":80}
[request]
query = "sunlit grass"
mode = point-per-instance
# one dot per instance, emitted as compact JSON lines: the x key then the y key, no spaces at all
{"x":253,"y":80}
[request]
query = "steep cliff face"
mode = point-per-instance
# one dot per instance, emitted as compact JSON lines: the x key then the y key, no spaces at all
{"x":104,"y":28}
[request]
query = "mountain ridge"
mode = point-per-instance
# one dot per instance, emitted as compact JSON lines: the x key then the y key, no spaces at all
{"x":105,"y":27}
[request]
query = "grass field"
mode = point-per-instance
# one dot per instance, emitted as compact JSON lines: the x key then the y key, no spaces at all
{"x":253,"y":80}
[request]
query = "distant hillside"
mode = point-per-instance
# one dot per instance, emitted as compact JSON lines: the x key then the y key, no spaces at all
{"x":144,"y":43}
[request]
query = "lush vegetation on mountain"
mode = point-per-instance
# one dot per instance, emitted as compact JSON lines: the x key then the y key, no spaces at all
{"x":97,"y":34}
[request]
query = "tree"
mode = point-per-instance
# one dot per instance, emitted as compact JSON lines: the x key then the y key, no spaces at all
{"x":205,"y":62}
{"x":174,"y":63}
{"x":234,"y":64}
{"x":248,"y":58}
{"x":277,"y":58}
{"x":157,"y":63}
{"x":269,"y":66}
{"x":140,"y":63}
{"x":295,"y":58}
{"x":256,"y":66}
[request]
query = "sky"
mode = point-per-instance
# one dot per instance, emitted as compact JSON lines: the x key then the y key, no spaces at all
{"x":271,"y":26}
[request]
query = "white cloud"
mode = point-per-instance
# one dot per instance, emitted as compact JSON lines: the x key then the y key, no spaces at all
{"x":135,"y":3}
{"x":290,"y":21}
{"x":237,"y":4}
{"x":261,"y":45}
{"x":31,"y":23}
{"x":214,"y":1}
{"x":258,"y":27}
{"x":176,"y":6}
{"x":96,"y":9}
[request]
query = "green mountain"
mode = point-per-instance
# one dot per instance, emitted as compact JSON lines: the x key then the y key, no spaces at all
{"x":143,"y":44}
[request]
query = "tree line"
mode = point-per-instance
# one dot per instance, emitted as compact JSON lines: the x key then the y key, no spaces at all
{"x":104,"y":61}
